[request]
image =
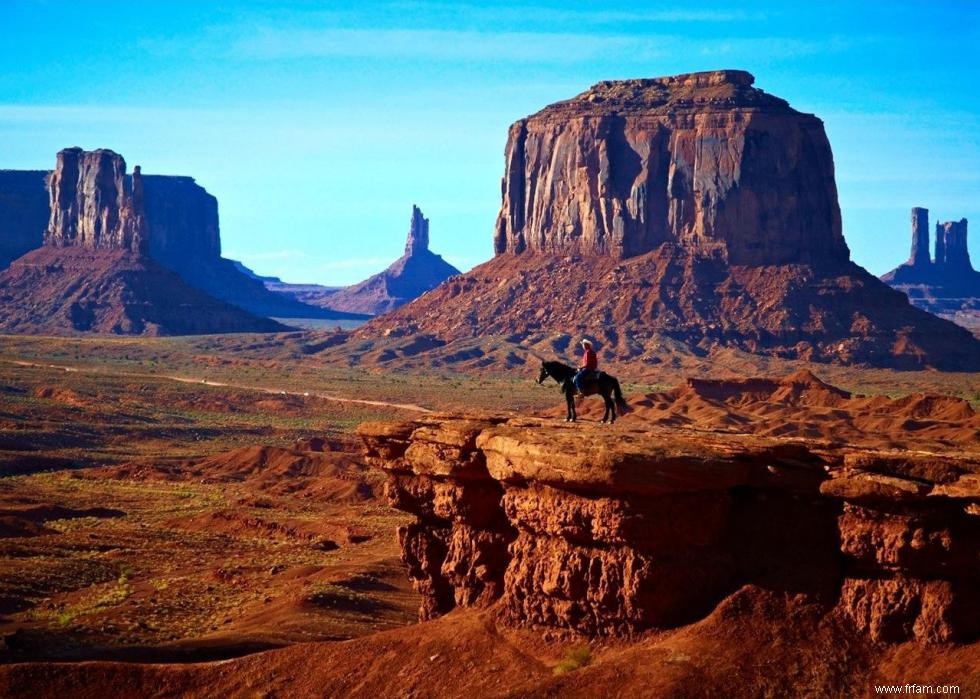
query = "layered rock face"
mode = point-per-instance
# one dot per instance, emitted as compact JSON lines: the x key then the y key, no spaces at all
{"x":704,"y":161}
{"x":91,"y":206}
{"x":910,"y":535}
{"x":694,"y":209}
{"x":24,"y":212}
{"x":417,"y":271}
{"x":614,"y":531}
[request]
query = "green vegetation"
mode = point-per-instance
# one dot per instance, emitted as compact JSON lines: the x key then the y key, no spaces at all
{"x":575,"y":658}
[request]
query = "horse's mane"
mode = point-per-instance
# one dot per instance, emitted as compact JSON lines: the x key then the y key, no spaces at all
{"x":556,"y":364}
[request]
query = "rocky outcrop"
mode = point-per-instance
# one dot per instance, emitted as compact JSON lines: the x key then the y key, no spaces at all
{"x":618,"y":530}
{"x":947,"y":286}
{"x":417,"y":271}
{"x":24,"y":212}
{"x":919,"y":257}
{"x":91,"y":206}
{"x":956,"y":257}
{"x":693,"y":209}
{"x":418,"y":233}
{"x":910,"y":534}
{"x":703,"y":160}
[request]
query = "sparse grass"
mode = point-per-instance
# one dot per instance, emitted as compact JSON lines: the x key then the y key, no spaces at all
{"x":575,"y":658}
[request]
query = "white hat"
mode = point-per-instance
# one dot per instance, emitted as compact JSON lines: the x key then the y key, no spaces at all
{"x":587,"y":343}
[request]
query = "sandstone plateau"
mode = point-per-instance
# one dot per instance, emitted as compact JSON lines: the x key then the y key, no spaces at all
{"x":694,"y":207}
{"x":650,"y":524}
{"x":93,"y":273}
{"x":416,"y":272}
{"x":947,"y":284}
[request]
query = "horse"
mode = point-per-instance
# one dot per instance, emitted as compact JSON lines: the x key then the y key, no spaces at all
{"x":605,"y":385}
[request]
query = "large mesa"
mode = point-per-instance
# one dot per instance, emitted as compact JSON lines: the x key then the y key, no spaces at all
{"x":695,"y":209}
{"x":704,"y":160}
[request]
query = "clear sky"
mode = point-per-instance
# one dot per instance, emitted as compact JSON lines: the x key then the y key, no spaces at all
{"x":318,"y":124}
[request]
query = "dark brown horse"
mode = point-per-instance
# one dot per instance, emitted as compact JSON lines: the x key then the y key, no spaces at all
{"x":602,"y":383}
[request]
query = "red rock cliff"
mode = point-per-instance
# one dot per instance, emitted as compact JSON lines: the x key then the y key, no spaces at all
{"x":617,"y":530}
{"x":91,"y":207}
{"x":703,"y":160}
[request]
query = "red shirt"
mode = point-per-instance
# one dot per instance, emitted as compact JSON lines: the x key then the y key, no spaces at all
{"x":589,"y":360}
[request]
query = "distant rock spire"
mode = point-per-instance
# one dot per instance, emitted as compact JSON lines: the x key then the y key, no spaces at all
{"x":940,"y":245}
{"x":418,"y":233}
{"x":920,"y":238}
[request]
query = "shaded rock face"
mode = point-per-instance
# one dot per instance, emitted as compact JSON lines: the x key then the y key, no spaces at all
{"x":956,"y":257}
{"x":90,"y":204}
{"x":704,"y":161}
{"x":24,"y":212}
{"x":418,"y":233}
{"x":183,"y":221}
{"x":417,"y":271}
{"x":910,"y":539}
{"x":618,"y":531}
{"x":920,"y":238}
{"x":948,"y":285}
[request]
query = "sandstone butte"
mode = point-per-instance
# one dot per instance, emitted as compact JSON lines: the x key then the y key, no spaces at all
{"x":179,"y":229}
{"x":613,"y":531}
{"x":945,"y":284}
{"x":93,"y":272}
{"x":694,"y":207}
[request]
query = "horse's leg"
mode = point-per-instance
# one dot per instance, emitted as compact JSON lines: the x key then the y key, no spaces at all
{"x":569,"y":407}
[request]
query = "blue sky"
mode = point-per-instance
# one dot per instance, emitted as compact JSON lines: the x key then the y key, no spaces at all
{"x":318,"y":126}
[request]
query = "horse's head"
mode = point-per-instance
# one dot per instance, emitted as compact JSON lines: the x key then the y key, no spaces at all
{"x":544,"y":372}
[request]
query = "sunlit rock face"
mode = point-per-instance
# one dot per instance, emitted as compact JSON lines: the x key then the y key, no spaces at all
{"x":702,"y":160}
{"x":91,"y":205}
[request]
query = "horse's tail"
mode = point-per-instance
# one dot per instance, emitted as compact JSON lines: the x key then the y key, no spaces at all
{"x":618,"y":395}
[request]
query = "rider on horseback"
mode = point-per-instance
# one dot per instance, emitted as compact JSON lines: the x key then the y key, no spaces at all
{"x":589,"y":367}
